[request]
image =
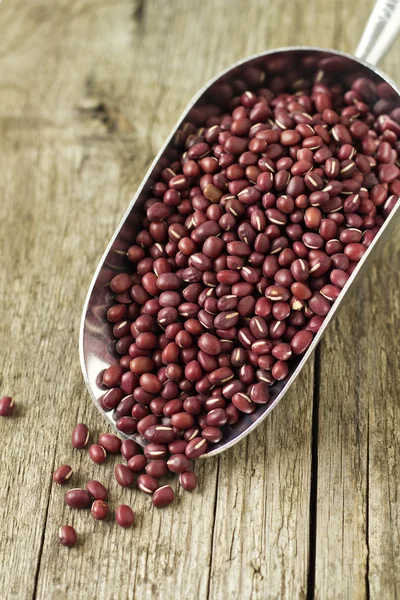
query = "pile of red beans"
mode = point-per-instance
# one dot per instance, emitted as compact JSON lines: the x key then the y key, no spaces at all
{"x":246,"y":241}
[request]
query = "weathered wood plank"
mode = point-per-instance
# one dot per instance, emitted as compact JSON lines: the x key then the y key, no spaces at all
{"x":383,"y":385}
{"x":358,"y":443}
{"x":260,"y":546}
{"x":261,"y":536}
{"x":357,"y":543}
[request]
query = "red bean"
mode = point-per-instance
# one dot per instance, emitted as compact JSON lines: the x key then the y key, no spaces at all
{"x":146,"y":340}
{"x":216,"y":417}
{"x":280,"y":370}
{"x":141,"y":365}
{"x":177,"y":447}
{"x":96,"y":490}
{"x":127,"y":425}
{"x":182,"y":420}
{"x":282,"y":351}
{"x":196,"y":448}
{"x":110,"y":442}
{"x":99,"y":510}
{"x":243,"y":403}
{"x":214,"y":402}
{"x":178,"y":463}
{"x":193,"y":371}
{"x":188,"y":481}
{"x":7,"y":406}
{"x":157,"y":468}
{"x":320,"y":265}
{"x":111,"y":399}
{"x":124,"y":475}
{"x":330,"y":292}
{"x":129,"y":448}
{"x":355,"y":251}
{"x":259,"y":393}
{"x":221,"y":375}
{"x":67,"y":536}
{"x":150,"y":383}
{"x":155,"y":451}
{"x":172,"y":407}
{"x":62,"y":474}
{"x":159,"y":434}
{"x":301,"y":341}
{"x":210,"y":344}
{"x":212,"y":434}
{"x":77,"y":498}
{"x":124,"y":516}
{"x":121,"y":283}
{"x":98,"y":454}
{"x":163,"y":496}
{"x":313,"y":240}
{"x":319,"y":305}
{"x":147,"y":484}
{"x":139,"y":411}
{"x":299,"y":269}
{"x":80,"y":435}
{"x":137,"y":463}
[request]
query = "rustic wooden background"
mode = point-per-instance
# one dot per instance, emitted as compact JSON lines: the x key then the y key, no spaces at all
{"x":308,"y":506}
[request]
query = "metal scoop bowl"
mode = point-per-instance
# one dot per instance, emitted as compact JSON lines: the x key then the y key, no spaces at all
{"x":283,"y":66}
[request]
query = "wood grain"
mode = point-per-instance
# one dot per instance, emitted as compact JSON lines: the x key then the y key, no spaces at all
{"x":88,"y":91}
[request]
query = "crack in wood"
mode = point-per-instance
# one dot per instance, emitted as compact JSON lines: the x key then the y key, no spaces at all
{"x":314,"y":479}
{"x":138,"y":13}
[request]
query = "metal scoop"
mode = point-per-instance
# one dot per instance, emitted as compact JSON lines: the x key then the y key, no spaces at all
{"x":96,"y":350}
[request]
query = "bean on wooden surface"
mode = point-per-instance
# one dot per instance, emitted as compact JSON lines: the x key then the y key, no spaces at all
{"x":62,"y":474}
{"x":188,"y":481}
{"x":163,"y":496}
{"x":124,"y":516}
{"x":77,"y":498}
{"x":99,"y":510}
{"x":96,"y":490}
{"x":124,"y":475}
{"x":110,"y":442}
{"x":98,"y":454}
{"x":7,"y":406}
{"x":80,"y":435}
{"x":67,"y":536}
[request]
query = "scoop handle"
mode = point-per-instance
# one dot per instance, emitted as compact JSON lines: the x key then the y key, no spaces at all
{"x":380,"y":32}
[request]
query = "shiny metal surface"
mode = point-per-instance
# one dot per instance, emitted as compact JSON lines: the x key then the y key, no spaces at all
{"x":380,"y":32}
{"x":96,"y":350}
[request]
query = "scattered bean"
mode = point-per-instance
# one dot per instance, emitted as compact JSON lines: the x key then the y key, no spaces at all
{"x":7,"y":406}
{"x":188,"y":481}
{"x":77,"y":498}
{"x":96,"y":490}
{"x":67,"y":536}
{"x":163,"y":496}
{"x":99,"y":510}
{"x":110,"y":442}
{"x":98,"y":454}
{"x":124,"y":516}
{"x":62,"y":474}
{"x":124,"y":475}
{"x":80,"y":435}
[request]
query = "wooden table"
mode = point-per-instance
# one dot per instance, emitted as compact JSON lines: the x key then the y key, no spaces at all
{"x":308,"y":505}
